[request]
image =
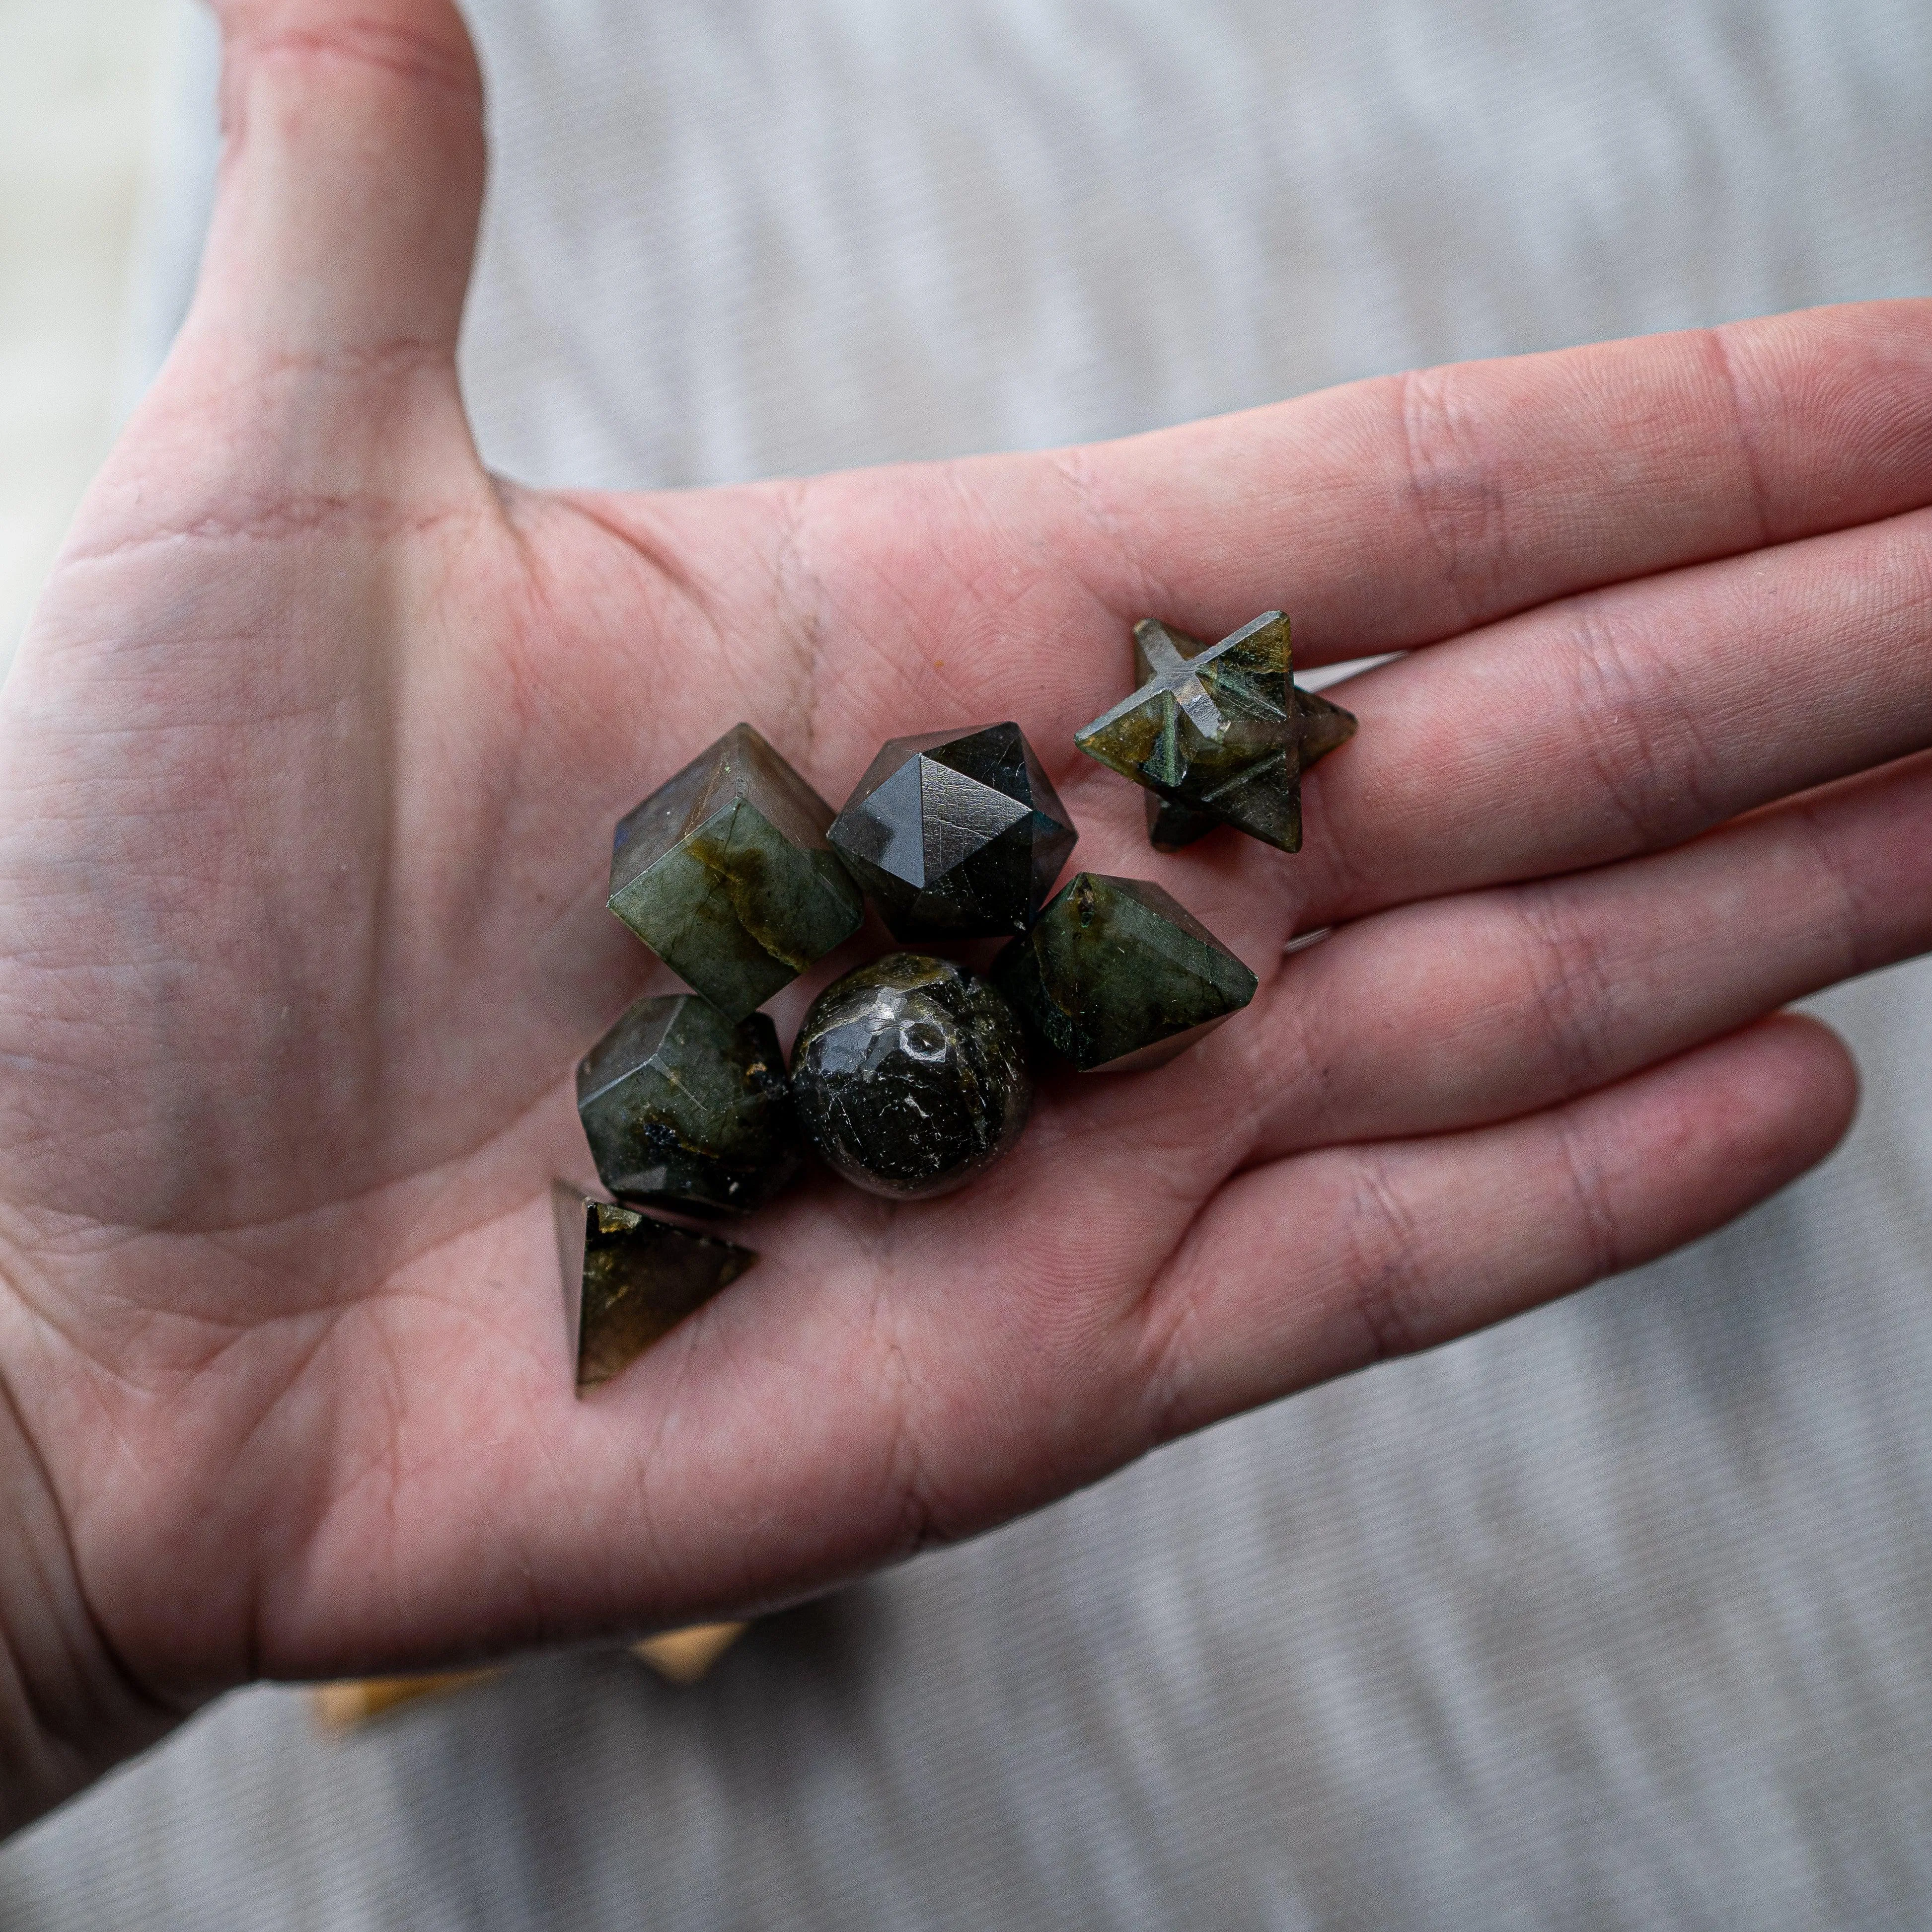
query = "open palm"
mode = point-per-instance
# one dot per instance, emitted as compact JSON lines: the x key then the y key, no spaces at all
{"x":308,"y":769}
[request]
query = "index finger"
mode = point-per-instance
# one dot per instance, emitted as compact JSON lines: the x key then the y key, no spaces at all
{"x":1393,"y":512}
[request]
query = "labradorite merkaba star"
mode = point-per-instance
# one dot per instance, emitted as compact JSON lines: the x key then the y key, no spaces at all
{"x":724,"y":874}
{"x":955,"y":834}
{"x":629,"y":1278}
{"x":1218,"y":733}
{"x":1117,"y":976}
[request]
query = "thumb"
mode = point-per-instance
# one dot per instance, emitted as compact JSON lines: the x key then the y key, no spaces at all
{"x":352,"y":174}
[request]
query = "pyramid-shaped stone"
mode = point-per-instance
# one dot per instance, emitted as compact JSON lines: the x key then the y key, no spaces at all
{"x":724,"y":874}
{"x":1116,"y":975}
{"x":629,"y":1278}
{"x":955,"y":834}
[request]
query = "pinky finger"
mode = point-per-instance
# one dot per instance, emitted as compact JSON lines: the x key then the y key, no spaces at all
{"x":1324,"y":1263}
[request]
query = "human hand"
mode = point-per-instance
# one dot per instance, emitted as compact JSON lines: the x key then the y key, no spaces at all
{"x":307,"y":768}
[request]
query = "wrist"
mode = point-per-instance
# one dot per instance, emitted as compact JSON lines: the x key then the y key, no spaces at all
{"x":70,"y":1709}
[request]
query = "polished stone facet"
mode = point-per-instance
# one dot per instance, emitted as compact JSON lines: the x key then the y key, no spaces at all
{"x":910,"y":1076}
{"x":1320,"y":726}
{"x":1116,"y":975}
{"x":629,"y":1278}
{"x":1218,"y":733}
{"x":724,"y":874}
{"x":956,"y":835}
{"x":681,"y":1106}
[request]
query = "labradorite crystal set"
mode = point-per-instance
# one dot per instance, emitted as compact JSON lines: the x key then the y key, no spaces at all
{"x":910,"y":1076}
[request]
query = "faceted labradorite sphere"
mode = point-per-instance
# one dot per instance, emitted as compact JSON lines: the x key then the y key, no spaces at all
{"x":955,"y":834}
{"x":680,"y":1105}
{"x":724,"y":874}
{"x":910,"y":1076}
{"x":1117,"y":976}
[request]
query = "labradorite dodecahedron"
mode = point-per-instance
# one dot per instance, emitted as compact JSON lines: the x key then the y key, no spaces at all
{"x":1320,"y":725}
{"x":724,"y":874}
{"x":956,"y":835}
{"x":629,"y":1278}
{"x":1116,"y":975}
{"x":910,"y":1076}
{"x":681,"y":1106}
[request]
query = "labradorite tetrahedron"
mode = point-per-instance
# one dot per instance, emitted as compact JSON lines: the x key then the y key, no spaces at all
{"x":1320,"y":725}
{"x":1116,"y":974}
{"x":956,"y":835}
{"x":680,"y":1105}
{"x":724,"y":874}
{"x":629,"y":1278}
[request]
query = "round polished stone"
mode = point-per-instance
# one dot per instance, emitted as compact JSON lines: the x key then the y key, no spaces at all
{"x":910,"y":1076}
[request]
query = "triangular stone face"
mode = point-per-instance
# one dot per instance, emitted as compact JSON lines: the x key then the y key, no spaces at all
{"x":1116,"y":975}
{"x":681,"y":1106}
{"x":724,"y":874}
{"x":1217,"y":733}
{"x":629,"y":1278}
{"x":955,"y":834}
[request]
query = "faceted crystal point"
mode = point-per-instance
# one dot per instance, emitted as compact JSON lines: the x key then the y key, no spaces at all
{"x":1116,"y":975}
{"x":910,"y":1076}
{"x":724,"y":874}
{"x":956,"y":835}
{"x":681,"y":1106}
{"x":1218,"y":733}
{"x":629,"y":1278}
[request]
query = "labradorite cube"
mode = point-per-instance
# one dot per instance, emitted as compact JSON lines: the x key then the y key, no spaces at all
{"x":630,"y":1278}
{"x":724,"y":872}
{"x":1116,"y":975}
{"x":682,"y":1106}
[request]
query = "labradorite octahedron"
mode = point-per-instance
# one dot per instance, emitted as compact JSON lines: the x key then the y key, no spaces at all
{"x":910,"y":1076}
{"x":1219,"y":733}
{"x":629,"y":1278}
{"x":681,"y":1106}
{"x":724,"y":874}
{"x":955,"y":834}
{"x":1116,"y":975}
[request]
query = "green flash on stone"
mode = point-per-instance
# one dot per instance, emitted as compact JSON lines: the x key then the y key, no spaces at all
{"x":1217,"y":733}
{"x":725,"y":873}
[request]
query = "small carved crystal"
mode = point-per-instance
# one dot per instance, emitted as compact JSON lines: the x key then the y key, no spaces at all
{"x":1218,"y":733}
{"x":911,"y":1077}
{"x":629,"y":1278}
{"x":955,"y":834}
{"x":681,"y":1106}
{"x":724,"y":874}
{"x":1116,"y":975}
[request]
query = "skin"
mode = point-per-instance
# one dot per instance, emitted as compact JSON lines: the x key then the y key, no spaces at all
{"x":307,"y":767}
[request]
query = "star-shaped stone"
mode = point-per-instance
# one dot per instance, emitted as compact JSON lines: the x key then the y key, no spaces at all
{"x":1217,"y":733}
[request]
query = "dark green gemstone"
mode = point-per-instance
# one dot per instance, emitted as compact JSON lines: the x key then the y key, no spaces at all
{"x":1218,"y":733}
{"x":1117,"y":975}
{"x":724,"y":874}
{"x":910,"y":1076}
{"x":956,"y":835}
{"x":681,"y":1106}
{"x":629,"y":1278}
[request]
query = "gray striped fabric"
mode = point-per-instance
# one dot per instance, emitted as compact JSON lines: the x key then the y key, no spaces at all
{"x":1612,"y":1618}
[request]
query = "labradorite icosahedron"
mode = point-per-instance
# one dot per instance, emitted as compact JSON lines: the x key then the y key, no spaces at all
{"x":910,"y":1076}
{"x":955,"y":834}
{"x":724,"y":874}
{"x":681,"y":1106}
{"x":1116,"y":975}
{"x":1219,"y":734}
{"x":1320,"y":725}
{"x":629,"y":1278}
